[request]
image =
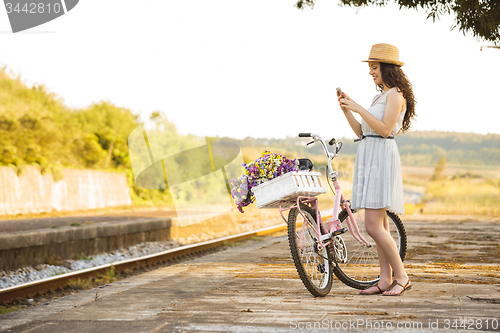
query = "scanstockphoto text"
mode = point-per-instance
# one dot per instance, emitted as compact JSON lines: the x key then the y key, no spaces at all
{"x":378,"y":324}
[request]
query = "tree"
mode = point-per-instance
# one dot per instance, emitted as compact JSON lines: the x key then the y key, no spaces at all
{"x":480,"y":17}
{"x":438,"y":170}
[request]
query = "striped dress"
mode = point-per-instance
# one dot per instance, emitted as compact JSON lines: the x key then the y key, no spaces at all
{"x":378,"y":180}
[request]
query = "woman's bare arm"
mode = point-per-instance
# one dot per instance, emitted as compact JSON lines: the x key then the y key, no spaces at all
{"x":353,"y":122}
{"x":394,"y":106}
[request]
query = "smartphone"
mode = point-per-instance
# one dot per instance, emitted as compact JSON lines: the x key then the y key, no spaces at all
{"x":339,"y":92}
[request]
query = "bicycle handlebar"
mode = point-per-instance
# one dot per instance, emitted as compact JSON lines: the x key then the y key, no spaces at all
{"x":317,"y":137}
{"x":333,"y":142}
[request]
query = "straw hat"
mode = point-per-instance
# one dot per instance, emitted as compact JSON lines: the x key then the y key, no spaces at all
{"x":385,"y":53}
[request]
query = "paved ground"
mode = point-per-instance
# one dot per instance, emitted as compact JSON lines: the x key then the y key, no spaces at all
{"x":11,"y":225}
{"x":254,"y":288}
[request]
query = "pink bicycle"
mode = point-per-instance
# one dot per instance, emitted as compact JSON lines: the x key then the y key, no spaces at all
{"x":339,"y":245}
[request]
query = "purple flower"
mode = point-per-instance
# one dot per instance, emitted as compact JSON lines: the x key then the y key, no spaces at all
{"x":268,"y":166}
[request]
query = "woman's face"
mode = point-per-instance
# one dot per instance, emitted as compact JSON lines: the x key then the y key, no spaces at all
{"x":375,"y":72}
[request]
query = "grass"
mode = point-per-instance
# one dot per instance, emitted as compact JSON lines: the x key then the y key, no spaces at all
{"x":4,"y":309}
{"x":463,"y":196}
{"x":235,"y":244}
{"x":110,"y":273}
{"x":412,"y":208}
{"x":110,"y":276}
{"x":462,"y":191}
{"x":83,"y":256}
{"x":81,"y":284}
{"x":75,"y":224}
{"x":51,"y":259}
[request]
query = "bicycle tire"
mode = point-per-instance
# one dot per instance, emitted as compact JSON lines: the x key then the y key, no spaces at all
{"x":314,"y":267}
{"x":360,"y":268}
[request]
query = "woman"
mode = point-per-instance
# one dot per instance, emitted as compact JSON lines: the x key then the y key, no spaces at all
{"x":378,"y":181}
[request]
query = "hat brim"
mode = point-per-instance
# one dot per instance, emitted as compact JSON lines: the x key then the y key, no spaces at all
{"x":394,"y":62}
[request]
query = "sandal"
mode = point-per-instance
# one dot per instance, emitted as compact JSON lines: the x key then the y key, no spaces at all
{"x":380,"y":291}
{"x":394,"y":283}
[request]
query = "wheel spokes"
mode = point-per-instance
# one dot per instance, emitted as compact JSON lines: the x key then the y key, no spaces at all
{"x":315,"y":264}
{"x":360,"y":267}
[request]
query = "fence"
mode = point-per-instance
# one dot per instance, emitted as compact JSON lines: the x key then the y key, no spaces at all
{"x":34,"y":193}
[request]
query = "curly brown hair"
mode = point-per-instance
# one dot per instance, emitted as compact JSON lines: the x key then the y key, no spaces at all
{"x":393,"y":76}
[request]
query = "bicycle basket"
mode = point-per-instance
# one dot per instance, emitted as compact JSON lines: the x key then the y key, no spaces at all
{"x":288,"y":187}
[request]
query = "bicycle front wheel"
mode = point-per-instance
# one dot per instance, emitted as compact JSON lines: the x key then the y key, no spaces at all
{"x":314,"y":266}
{"x":356,"y":264}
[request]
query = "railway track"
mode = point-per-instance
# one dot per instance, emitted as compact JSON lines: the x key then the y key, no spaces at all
{"x":174,"y":255}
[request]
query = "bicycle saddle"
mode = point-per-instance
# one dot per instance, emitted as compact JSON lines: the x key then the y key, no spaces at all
{"x":305,"y":164}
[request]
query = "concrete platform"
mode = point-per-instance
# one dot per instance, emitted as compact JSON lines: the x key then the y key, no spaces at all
{"x":254,"y":288}
{"x":33,"y":247}
{"x":19,"y":223}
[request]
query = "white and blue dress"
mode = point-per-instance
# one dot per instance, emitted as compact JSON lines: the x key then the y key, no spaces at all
{"x":378,"y":180}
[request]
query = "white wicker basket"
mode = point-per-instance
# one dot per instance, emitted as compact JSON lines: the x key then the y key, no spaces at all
{"x":287,"y":187}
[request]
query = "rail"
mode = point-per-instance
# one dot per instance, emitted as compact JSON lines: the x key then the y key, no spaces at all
{"x":183,"y":252}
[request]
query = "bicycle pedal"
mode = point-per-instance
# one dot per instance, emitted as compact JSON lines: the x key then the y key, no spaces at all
{"x":333,"y":234}
{"x":339,"y":232}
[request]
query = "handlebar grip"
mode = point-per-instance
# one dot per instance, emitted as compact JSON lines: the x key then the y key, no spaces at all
{"x":304,"y":135}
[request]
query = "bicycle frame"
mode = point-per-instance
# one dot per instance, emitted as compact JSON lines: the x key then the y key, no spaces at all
{"x":334,"y":225}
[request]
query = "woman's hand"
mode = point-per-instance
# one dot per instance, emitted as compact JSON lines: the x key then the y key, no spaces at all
{"x":340,"y":103}
{"x":346,"y":103}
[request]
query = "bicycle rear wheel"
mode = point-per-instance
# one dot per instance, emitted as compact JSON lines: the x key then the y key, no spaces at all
{"x":357,"y":265}
{"x":314,"y":266}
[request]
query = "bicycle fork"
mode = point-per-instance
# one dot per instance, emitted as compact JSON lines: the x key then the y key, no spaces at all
{"x":351,"y":222}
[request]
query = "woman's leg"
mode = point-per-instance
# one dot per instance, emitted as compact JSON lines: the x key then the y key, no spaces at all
{"x":385,"y":267}
{"x":377,"y":226}
{"x":372,"y":222}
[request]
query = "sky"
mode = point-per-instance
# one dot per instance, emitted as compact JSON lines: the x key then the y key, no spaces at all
{"x":259,"y":68}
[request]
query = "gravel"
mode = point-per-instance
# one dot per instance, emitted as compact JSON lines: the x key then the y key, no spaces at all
{"x":28,"y":274}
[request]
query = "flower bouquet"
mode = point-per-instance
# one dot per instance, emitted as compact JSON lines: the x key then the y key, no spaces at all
{"x":266,"y":167}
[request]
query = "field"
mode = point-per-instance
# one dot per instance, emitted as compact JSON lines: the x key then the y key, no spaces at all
{"x":458,"y":191}
{"x":471,"y":191}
